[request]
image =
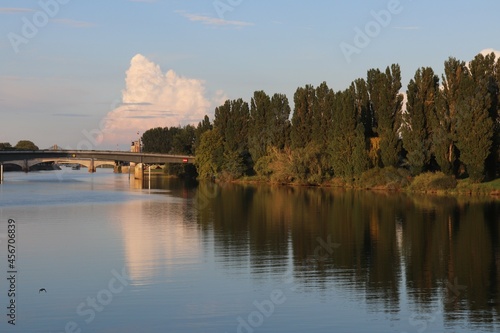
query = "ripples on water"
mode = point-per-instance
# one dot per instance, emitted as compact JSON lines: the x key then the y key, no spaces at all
{"x":232,"y":258}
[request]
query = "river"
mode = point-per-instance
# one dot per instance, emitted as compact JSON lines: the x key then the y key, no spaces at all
{"x":102,"y":253}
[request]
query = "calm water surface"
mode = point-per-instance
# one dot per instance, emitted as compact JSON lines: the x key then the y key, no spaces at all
{"x":115,"y":256}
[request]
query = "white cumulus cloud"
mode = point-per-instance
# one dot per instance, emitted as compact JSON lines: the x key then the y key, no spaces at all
{"x":488,"y":51}
{"x":153,"y":98}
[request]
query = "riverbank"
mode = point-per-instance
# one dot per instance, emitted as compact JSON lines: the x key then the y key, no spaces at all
{"x":397,"y":180}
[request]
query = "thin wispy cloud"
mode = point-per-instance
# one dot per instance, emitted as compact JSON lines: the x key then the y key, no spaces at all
{"x":213,"y":21}
{"x":70,"y":115}
{"x":74,"y":23}
{"x":407,"y":28}
{"x":11,"y":10}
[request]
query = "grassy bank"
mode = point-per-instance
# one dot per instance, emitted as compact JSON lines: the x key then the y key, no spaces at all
{"x":400,"y":180}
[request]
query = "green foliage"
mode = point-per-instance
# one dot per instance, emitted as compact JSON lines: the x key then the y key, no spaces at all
{"x":183,"y":140}
{"x":209,"y":155}
{"x":260,"y":124}
{"x":301,"y":165}
{"x":278,"y":123}
{"x":485,"y":188}
{"x":420,"y":107}
{"x":429,"y":181}
{"x":262,"y":166}
{"x":5,"y":146}
{"x":156,"y":140}
{"x":26,"y":145}
{"x":173,"y":140}
{"x":231,"y":121}
{"x":364,"y":111}
{"x":181,"y":170}
{"x":268,"y":128}
{"x":445,"y":118}
{"x":388,"y":178}
{"x":322,"y":114}
{"x":474,"y":125}
{"x":234,"y":165}
{"x":280,"y":165}
{"x":202,"y":127}
{"x":386,"y":102}
{"x":308,"y":164}
{"x":344,"y":134}
{"x":359,"y":152}
{"x":302,"y":119}
{"x":347,"y":138}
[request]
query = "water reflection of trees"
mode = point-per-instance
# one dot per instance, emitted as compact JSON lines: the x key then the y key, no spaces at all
{"x":434,"y":241}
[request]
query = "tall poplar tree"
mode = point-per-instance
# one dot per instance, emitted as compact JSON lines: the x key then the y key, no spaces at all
{"x":364,"y":109}
{"x":302,"y":119}
{"x":231,"y":121}
{"x":492,"y":67}
{"x":322,"y":113}
{"x":259,"y":126}
{"x":474,"y":124}
{"x":445,"y":118}
{"x":278,"y":123}
{"x":347,"y":139}
{"x":386,"y":102}
{"x":496,"y":137}
{"x":416,"y":130}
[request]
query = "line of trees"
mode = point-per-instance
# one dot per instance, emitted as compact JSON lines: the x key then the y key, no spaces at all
{"x":452,"y":125}
{"x":21,"y":145}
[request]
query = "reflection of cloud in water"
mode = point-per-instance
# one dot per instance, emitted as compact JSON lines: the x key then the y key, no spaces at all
{"x":157,"y":239}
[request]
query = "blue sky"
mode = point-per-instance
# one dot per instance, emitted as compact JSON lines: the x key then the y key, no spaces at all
{"x":72,"y":82}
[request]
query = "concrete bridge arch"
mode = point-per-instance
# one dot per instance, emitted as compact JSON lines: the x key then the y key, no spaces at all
{"x":91,"y":164}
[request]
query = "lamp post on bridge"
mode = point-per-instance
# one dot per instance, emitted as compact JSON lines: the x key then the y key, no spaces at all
{"x":139,"y":141}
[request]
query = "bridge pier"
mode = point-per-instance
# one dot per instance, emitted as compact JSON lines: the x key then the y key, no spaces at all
{"x":25,"y":166}
{"x":139,"y":171}
{"x":92,"y":166}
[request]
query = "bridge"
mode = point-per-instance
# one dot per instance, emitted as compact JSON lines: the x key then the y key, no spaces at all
{"x":89,"y":158}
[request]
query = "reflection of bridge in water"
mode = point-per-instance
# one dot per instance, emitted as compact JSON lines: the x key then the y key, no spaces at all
{"x":89,"y":158}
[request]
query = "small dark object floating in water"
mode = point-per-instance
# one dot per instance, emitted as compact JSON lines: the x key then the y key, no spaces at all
{"x":43,"y":289}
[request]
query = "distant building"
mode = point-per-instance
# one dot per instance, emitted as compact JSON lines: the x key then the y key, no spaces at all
{"x":135,"y":147}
